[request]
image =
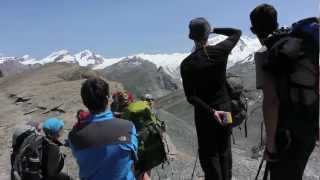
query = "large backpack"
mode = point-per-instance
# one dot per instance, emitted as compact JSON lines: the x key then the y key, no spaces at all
{"x":26,"y":158}
{"x":294,"y":60}
{"x":239,"y":102}
{"x":152,"y":149}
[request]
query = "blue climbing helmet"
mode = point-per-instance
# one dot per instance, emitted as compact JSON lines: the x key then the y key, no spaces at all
{"x":52,"y":126}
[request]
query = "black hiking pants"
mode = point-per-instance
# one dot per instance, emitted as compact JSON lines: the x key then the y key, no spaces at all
{"x":293,"y":162}
{"x":217,"y":165}
{"x":214,"y":146}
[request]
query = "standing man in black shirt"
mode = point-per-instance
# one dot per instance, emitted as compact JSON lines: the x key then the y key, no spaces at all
{"x":204,"y":80}
{"x":290,"y":120}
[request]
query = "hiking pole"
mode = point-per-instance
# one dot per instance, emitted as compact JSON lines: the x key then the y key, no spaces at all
{"x":266,"y":172}
{"x":233,"y":139}
{"x":261,"y":132}
{"x":260,"y":167}
{"x":195,"y":164}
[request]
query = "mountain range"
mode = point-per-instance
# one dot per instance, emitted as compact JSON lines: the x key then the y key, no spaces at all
{"x":168,"y":62}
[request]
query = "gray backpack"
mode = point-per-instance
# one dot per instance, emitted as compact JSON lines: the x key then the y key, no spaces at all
{"x":239,"y":102}
{"x":26,"y":158}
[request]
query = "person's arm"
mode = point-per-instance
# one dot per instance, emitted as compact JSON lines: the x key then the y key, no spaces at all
{"x":134,"y":140}
{"x":270,"y":111}
{"x":228,"y":44}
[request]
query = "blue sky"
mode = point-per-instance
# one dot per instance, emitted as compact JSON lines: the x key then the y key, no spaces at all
{"x":115,"y":28}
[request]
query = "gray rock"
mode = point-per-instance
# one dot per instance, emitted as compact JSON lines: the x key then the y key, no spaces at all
{"x":140,"y":77}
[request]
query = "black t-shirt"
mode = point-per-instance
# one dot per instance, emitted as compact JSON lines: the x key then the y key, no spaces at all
{"x":204,"y":75}
{"x":204,"y":82}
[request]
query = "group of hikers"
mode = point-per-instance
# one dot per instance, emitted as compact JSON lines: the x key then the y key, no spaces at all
{"x":287,"y":71}
{"x":106,"y":146}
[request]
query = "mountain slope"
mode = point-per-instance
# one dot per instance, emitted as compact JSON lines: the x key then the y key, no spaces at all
{"x":140,"y":76}
{"x":13,"y":65}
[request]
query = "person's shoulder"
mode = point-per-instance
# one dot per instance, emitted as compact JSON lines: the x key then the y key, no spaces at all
{"x":51,"y":145}
{"x":262,"y":49}
{"x":260,"y":54}
{"x":217,"y":50}
{"x":186,"y":60}
{"x":124,"y":122}
{"x":186,"y":63}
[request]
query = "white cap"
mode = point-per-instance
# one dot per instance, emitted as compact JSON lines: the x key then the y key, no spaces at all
{"x":148,"y":96}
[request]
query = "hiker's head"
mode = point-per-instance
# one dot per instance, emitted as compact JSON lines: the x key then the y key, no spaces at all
{"x":263,"y":20}
{"x":122,"y":98}
{"x":95,"y":94}
{"x":35,"y":124}
{"x":199,"y":30}
{"x":149,"y":98}
{"x":53,"y":128}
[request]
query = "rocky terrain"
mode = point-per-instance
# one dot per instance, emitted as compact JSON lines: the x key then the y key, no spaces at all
{"x":246,"y":151}
{"x":13,"y":67}
{"x":53,"y":90}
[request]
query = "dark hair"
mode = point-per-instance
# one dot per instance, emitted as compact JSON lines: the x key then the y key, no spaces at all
{"x":94,"y":94}
{"x":199,"y":29}
{"x":264,"y":19}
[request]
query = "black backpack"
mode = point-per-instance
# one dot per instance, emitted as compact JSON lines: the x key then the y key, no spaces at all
{"x":294,"y":60}
{"x":26,"y":158}
{"x":239,"y":102}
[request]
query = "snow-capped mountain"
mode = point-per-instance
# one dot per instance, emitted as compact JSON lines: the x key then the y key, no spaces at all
{"x":86,"y":57}
{"x":12,"y":65}
{"x":56,"y":56}
{"x":83,"y":58}
{"x":170,"y":63}
{"x":13,"y":58}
